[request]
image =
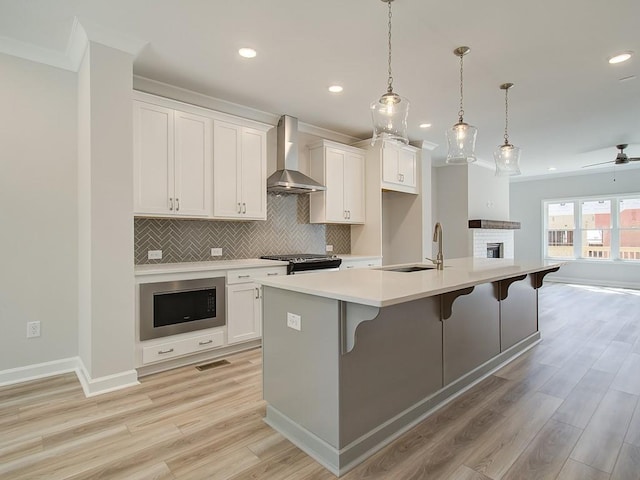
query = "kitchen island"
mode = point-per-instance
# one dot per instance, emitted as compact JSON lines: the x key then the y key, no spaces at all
{"x":353,"y":359}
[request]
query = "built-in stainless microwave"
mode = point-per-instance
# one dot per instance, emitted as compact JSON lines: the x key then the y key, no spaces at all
{"x":169,"y":308}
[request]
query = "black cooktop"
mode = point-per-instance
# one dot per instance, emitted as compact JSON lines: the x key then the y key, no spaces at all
{"x":299,"y":257}
{"x":299,"y":262}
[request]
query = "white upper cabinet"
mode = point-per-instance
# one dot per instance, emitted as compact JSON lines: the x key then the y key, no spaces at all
{"x":172,"y":162}
{"x":239,"y":171}
{"x":399,"y":168}
{"x":341,"y":169}
{"x":193,"y":162}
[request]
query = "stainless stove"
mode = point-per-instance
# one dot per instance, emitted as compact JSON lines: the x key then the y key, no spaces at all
{"x":307,"y":262}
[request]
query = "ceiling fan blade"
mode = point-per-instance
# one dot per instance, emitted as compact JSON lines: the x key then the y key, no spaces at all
{"x":601,"y":163}
{"x":634,"y":159}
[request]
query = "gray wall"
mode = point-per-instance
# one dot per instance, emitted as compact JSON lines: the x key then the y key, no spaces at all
{"x":38,"y":191}
{"x":526,"y":199}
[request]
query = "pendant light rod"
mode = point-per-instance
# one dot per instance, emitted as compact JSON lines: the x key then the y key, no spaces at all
{"x":461,"y":52}
{"x":506,"y":87}
{"x":390,"y":78}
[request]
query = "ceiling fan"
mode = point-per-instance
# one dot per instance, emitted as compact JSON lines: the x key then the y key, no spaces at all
{"x":621,"y":158}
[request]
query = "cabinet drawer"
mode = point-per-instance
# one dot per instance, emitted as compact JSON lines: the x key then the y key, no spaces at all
{"x":352,"y":264}
{"x":249,"y":274}
{"x":163,"y":351}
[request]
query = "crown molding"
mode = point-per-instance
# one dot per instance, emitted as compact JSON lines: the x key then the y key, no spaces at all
{"x":111,"y":38}
{"x":82,"y":32}
{"x":34,"y":53}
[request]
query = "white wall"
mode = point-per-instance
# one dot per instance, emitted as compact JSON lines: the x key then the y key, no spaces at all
{"x":452,"y":203}
{"x":488,"y":194}
{"x":526,"y":199}
{"x":467,"y":192}
{"x":107,"y":185}
{"x":38,"y":218}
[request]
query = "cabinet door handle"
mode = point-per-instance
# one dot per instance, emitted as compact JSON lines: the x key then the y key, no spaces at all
{"x":170,"y":203}
{"x":399,"y":177}
{"x":177,"y":204}
{"x":161,"y":352}
{"x":349,"y":214}
{"x":257,"y":292}
{"x":244,"y":207}
{"x":239,"y":208}
{"x":206,"y":343}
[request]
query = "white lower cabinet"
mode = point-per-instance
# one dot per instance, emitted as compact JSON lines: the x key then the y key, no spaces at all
{"x":244,"y":302}
{"x":185,"y":346}
{"x":244,"y":312}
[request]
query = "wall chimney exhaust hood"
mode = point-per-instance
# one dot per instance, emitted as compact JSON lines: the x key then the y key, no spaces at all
{"x":287,"y":178}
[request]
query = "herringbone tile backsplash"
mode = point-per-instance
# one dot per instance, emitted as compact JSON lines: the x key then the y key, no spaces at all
{"x":286,"y":230}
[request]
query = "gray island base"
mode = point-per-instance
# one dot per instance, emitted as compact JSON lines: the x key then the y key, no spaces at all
{"x":357,"y":375}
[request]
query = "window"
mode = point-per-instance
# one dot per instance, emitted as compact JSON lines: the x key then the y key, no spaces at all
{"x":630,"y":228}
{"x":600,"y":229}
{"x":595,"y":223}
{"x":560,"y":227}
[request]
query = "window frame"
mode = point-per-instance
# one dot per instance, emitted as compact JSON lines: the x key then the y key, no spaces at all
{"x":578,"y":228}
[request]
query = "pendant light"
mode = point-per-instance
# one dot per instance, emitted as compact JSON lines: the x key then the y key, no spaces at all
{"x":461,"y":138}
{"x":389,"y":112}
{"x":507,"y":156}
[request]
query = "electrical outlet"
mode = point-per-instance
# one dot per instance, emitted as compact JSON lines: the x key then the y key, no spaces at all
{"x":216,"y":252}
{"x":329,"y":248}
{"x":154,"y":254}
{"x":294,"y":321}
{"x":33,"y":329}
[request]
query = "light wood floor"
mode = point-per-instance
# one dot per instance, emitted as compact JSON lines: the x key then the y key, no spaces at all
{"x":567,"y":409}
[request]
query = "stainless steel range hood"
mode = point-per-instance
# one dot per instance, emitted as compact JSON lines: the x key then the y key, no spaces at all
{"x":287,"y":178}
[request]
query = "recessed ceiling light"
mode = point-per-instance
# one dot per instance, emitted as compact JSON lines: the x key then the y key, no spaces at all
{"x":621,"y":57}
{"x":551,"y":169}
{"x":335,"y":89}
{"x":247,"y":52}
{"x":425,"y":125}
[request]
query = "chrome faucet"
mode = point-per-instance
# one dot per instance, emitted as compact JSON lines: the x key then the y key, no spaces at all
{"x":437,"y":237}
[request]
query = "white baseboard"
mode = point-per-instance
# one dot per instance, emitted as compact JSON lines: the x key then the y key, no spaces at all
{"x":108,"y":383}
{"x":594,"y":282}
{"x":90,"y":386}
{"x":38,"y":370}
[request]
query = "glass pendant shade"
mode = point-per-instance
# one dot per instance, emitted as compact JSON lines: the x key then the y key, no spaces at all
{"x":507,"y":159}
{"x":389,"y":115}
{"x":461,"y":141}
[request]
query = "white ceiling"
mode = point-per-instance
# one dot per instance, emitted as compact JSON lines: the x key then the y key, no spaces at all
{"x":568,"y":107}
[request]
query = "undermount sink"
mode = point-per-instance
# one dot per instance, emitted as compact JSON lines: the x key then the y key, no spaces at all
{"x":409,"y":268}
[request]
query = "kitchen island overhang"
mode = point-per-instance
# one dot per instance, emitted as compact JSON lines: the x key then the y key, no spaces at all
{"x":370,"y":353}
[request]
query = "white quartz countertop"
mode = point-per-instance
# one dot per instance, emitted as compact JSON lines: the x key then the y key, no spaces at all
{"x":381,"y":288}
{"x":160,"y":268}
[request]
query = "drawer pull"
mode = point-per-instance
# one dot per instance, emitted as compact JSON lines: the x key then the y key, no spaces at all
{"x":206,"y":343}
{"x":273,"y":274}
{"x":161,"y":352}
{"x":244,"y":276}
{"x":349,"y":266}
